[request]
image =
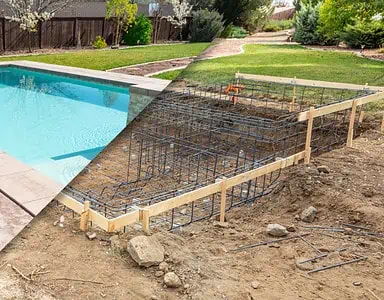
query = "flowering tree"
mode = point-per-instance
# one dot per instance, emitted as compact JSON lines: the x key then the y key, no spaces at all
{"x":28,"y":13}
{"x":123,"y":12}
{"x":181,"y":9}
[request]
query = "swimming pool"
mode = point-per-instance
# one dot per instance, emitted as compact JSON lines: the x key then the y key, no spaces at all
{"x":58,"y":124}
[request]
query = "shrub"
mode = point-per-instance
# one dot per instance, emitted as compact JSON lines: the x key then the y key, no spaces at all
{"x":140,"y":32}
{"x":272,"y":25}
{"x":271,"y":28}
{"x":206,"y":26}
{"x":100,"y":43}
{"x":305,"y":23}
{"x":239,"y":33}
{"x":369,"y":34}
{"x":381,"y":51}
{"x":227,"y":32}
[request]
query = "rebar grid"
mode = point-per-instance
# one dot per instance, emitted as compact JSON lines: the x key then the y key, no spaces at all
{"x":187,"y":140}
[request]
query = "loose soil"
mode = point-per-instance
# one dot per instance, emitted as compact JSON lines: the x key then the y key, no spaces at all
{"x":201,"y":253}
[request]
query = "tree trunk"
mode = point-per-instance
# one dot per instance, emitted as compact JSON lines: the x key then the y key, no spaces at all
{"x":29,"y":42}
{"x":117,"y":32}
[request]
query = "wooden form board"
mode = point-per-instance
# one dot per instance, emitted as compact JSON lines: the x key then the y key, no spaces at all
{"x":322,"y":111}
{"x":311,"y":83}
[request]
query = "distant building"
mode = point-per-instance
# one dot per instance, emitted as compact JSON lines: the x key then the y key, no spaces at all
{"x":283,"y":13}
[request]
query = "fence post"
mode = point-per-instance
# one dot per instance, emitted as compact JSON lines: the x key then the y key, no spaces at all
{"x":85,"y":216}
{"x":352,"y":124}
{"x":362,"y":113}
{"x":309,"y":136}
{"x":223,"y":202}
{"x":144,"y":218}
{"x":292,"y":106}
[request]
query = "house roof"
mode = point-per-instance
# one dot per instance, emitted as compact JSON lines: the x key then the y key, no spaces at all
{"x":93,"y":9}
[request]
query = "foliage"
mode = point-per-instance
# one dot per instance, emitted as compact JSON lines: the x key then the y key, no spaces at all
{"x":28,"y":13}
{"x":278,"y":25}
{"x":240,"y":12}
{"x":368,"y":34}
{"x":100,"y":43}
{"x":206,"y":26}
{"x":297,"y":4}
{"x":337,"y":15}
{"x":305,"y":23}
{"x":140,"y":32}
{"x":123,"y":12}
{"x":227,"y":32}
{"x":181,"y":10}
{"x":254,"y":19}
{"x":202,"y":4}
{"x":239,"y":32}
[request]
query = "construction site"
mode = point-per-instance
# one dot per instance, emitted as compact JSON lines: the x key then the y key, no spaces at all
{"x":204,"y":170}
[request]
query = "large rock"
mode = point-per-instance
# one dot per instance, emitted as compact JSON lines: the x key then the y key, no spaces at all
{"x":146,"y":251}
{"x":277,"y":230}
{"x":171,"y":280}
{"x":308,"y":215}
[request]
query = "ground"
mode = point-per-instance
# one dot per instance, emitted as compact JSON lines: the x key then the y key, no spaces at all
{"x":109,"y":59}
{"x":201,"y":253}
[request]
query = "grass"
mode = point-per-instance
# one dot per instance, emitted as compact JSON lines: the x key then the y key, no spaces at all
{"x":170,"y":75}
{"x":109,"y":59}
{"x":289,"y":61}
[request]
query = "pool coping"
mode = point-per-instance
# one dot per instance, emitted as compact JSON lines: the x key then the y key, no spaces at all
{"x":137,"y":84}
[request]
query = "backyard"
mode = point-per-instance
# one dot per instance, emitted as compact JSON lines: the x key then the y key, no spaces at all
{"x":287,"y":61}
{"x":108,"y":59}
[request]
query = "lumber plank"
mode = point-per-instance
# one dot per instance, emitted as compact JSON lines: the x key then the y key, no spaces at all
{"x":309,"y":136}
{"x":84,"y":219}
{"x":223,"y":200}
{"x":125,"y":220}
{"x":352,"y":124}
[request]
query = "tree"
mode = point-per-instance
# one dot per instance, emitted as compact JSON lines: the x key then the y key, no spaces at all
{"x":181,"y":9}
{"x":29,"y":13}
{"x":202,"y":4}
{"x":256,"y":18}
{"x":123,"y":12}
{"x":336,"y":15}
{"x":305,"y":23}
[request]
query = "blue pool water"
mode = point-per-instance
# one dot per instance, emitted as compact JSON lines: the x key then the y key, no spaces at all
{"x":58,"y":124}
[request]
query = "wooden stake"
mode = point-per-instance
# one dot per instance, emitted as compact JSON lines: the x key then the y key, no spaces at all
{"x":144,"y":217}
{"x":352,"y":124}
{"x":85,"y":216}
{"x":307,"y":158}
{"x":362,"y":115}
{"x":382,"y":125}
{"x":292,"y":106}
{"x":223,"y":201}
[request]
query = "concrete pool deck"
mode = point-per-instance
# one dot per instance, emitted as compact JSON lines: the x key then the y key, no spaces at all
{"x":25,"y":192}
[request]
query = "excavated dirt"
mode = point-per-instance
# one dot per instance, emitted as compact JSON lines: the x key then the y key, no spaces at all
{"x":200,"y":254}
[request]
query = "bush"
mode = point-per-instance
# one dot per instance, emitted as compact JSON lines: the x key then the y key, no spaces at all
{"x":227,"y":32}
{"x":100,"y":43}
{"x":140,"y":32}
{"x":206,"y":26}
{"x":305,"y":23}
{"x":271,"y":28}
{"x":369,"y":34}
{"x":278,"y":25}
{"x":239,"y":33}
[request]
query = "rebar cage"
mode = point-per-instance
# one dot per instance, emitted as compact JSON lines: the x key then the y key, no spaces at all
{"x":188,"y":139}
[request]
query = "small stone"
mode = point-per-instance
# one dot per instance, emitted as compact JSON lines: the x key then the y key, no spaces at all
{"x":357,"y":283}
{"x":323,"y":169}
{"x":291,"y":228}
{"x":62,"y":219}
{"x":276,"y":230}
{"x":159,"y":273}
{"x":309,"y":214}
{"x":183,"y":211}
{"x":171,"y":280}
{"x":55,"y":223}
{"x":255,"y":284}
{"x":91,"y":235}
{"x":297,"y":217}
{"x":163,"y":266}
{"x":186,"y":286}
{"x":153,"y":297}
{"x":307,"y":266}
{"x":221,"y":224}
{"x":146,"y":251}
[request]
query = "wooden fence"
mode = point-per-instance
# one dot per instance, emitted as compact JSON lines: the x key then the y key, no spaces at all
{"x":64,"y":32}
{"x":144,"y":214}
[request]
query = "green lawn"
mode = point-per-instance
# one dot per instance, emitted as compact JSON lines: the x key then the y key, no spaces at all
{"x":170,"y":75}
{"x":109,"y":59}
{"x":289,"y":61}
